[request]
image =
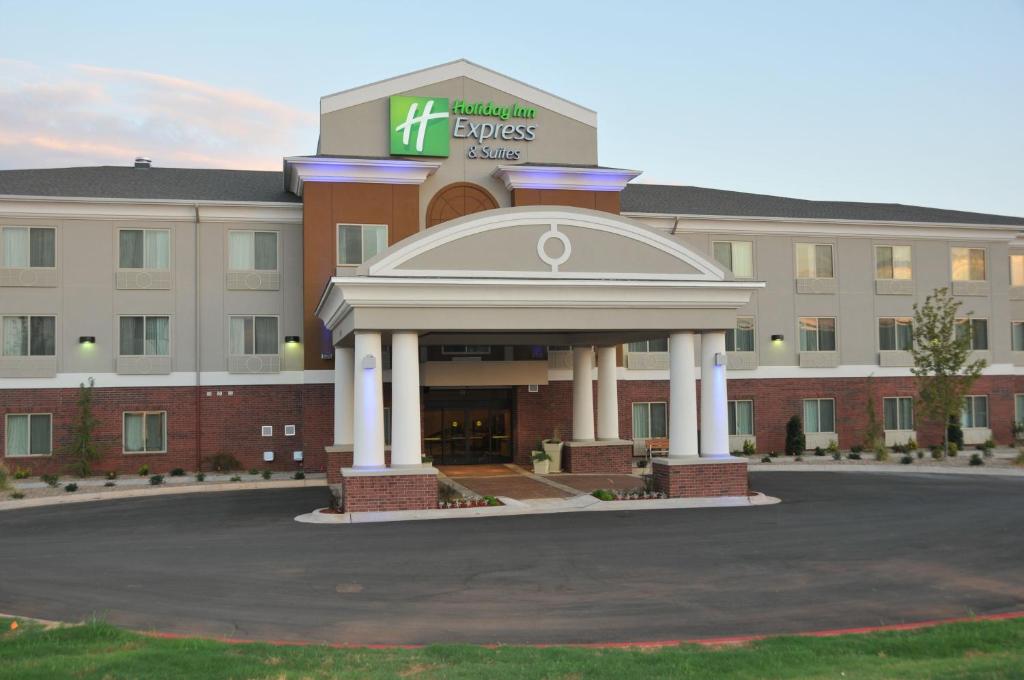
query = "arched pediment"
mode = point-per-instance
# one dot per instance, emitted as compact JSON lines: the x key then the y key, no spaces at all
{"x":543,"y":243}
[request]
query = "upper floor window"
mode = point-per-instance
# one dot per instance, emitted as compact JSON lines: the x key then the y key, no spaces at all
{"x":28,"y":246}
{"x":358,"y":243}
{"x":817,"y":334}
{"x":251,"y":335}
{"x":741,"y":338}
{"x":898,"y":413}
{"x":1017,"y":270}
{"x":144,"y":249}
{"x":252,"y":251}
{"x":145,"y":432}
{"x":650,"y":419}
{"x":1017,"y":336}
{"x":656,"y":345}
{"x":737,"y":256}
{"x":976,"y":329}
{"x":895,"y":333}
{"x":974,"y":412}
{"x":814,"y":261}
{"x":741,"y":417}
{"x":145,"y":335}
{"x":29,"y":434}
{"x":893,"y":262}
{"x":29,"y":336}
{"x":968,"y":264}
{"x":819,"y":415}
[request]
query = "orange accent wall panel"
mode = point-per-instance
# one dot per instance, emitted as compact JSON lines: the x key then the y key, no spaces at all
{"x":608,"y":201}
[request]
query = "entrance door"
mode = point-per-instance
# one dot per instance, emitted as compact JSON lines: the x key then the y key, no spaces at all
{"x":467,"y":426}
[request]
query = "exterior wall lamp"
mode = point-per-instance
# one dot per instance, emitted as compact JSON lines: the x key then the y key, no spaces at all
{"x":87,"y":339}
{"x":777,"y":339}
{"x":292,"y":339}
{"x":720,"y":359}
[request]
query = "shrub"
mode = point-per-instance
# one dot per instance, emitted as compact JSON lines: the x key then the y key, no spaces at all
{"x":112,"y":474}
{"x":299,"y":475}
{"x":21,"y":473}
{"x":854,"y":455}
{"x":223,"y":462}
{"x":236,"y":478}
{"x":796,"y":442}
{"x":953,"y":450}
{"x":881,"y":454}
{"x":799,"y":459}
{"x":766,"y":459}
{"x":200,"y":476}
{"x":110,"y":484}
{"x":920,"y":454}
{"x":976,"y":459}
{"x":254,"y":471}
{"x":833,"y":446}
{"x":491,"y":500}
{"x":906,"y":459}
{"x":17,"y":495}
{"x":899,"y":448}
{"x":1019,"y":460}
{"x":749,"y":448}
{"x":955,"y":434}
{"x":836,"y":455}
{"x":857,"y":448}
{"x":266,"y":474}
{"x":177,"y":472}
{"x":912,"y":444}
{"x":936,"y":453}
{"x":603,"y":495}
{"x":538,"y":456}
{"x":143,"y":471}
{"x":818,"y":451}
{"x":5,"y":478}
{"x":156,"y":480}
{"x":71,"y":488}
{"x":51,"y":480}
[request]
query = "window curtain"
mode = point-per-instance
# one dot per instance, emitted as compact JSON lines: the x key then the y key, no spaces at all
{"x":241,"y":335}
{"x":42,"y":247}
{"x":266,"y":335}
{"x":979,"y":338}
{"x":265,"y":250}
{"x":904,"y":334}
{"x":641,"y":421}
{"x":827,"y":335}
{"x":131,"y":256}
{"x":808,"y":335}
{"x":906,"y":413}
{"x":134,"y":425}
{"x":743,"y":259}
{"x":804,"y":260}
{"x":887,"y":334}
{"x":158,"y":249}
{"x":980,"y":412}
{"x":883,"y":262}
{"x":744,"y":418}
{"x":1017,"y":335}
{"x":890,"y":414}
{"x":1017,"y":270}
{"x":658,"y":345}
{"x":375,"y":240}
{"x":638,"y":346}
{"x":1018,"y":404}
{"x":350,"y":244}
{"x":977,"y":256}
{"x":155,"y":432}
{"x":826,"y":415}
{"x":811,"y":415}
{"x":659,"y":420}
{"x":744,"y":341}
{"x":158,"y":335}
{"x":44,"y":340}
{"x":823,"y":262}
{"x":132,"y":342}
{"x":901,"y":265}
{"x":16,"y":247}
{"x":723,"y":253}
{"x":17,"y":436}
{"x":15,"y":336}
{"x":240,"y":251}
{"x":961,"y":271}
{"x":39,"y":425}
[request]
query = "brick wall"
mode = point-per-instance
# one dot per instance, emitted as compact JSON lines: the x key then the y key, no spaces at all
{"x":392,"y":492}
{"x":598,"y":459}
{"x":701,"y":480}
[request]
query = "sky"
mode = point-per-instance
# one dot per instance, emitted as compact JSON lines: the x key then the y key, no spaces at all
{"x":902,"y":101}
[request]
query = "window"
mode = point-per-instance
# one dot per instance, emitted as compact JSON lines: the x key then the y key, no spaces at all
{"x":978,"y":330}
{"x":659,"y":345}
{"x":465,"y":349}
{"x":29,"y":434}
{"x":974,"y":412}
{"x":252,"y":251}
{"x":145,"y":432}
{"x":144,"y":249}
{"x":650,"y":419}
{"x":968,"y":264}
{"x":29,"y":336}
{"x":820,"y":415}
{"x":741,"y":338}
{"x":814,"y":261}
{"x":357,"y":243}
{"x":1018,"y":408}
{"x":28,"y":246}
{"x":145,"y":336}
{"x":898,"y":413}
{"x":1017,"y":336}
{"x":387,"y":425}
{"x":893,"y":262}
{"x":253,"y":335}
{"x":817,"y":334}
{"x":741,"y":417}
{"x":737,"y":256}
{"x":895,"y":333}
{"x":1017,"y":270}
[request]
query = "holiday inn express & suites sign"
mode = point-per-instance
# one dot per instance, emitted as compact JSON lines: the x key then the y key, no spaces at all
{"x":424,"y":126}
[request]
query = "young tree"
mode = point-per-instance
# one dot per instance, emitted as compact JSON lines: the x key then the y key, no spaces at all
{"x":874,"y":433}
{"x":83,"y":450}
{"x":942,"y":364}
{"x":796,"y":442}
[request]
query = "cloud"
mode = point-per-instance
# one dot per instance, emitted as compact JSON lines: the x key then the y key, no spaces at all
{"x":91,"y":115}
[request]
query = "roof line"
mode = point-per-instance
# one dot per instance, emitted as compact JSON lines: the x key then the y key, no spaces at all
{"x":829,"y":220}
{"x":160,"y":201}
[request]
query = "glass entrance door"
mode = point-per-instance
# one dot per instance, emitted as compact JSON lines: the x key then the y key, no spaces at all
{"x":467,"y":426}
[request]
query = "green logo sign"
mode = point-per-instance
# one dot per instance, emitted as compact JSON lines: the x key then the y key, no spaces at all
{"x":419,"y":126}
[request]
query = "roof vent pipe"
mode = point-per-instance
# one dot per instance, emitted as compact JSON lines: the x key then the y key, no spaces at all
{"x":143,"y":162}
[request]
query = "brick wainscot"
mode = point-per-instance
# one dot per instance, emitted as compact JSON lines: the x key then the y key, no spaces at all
{"x":379,"y":490}
{"x":694,"y":477}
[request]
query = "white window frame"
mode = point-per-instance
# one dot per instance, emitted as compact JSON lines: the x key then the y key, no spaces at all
{"x":800,"y":335}
{"x":971,"y":320}
{"x":277,"y":249}
{"x":145,"y":419}
{"x":988,"y":414}
{"x":1018,"y":282}
{"x":814,"y":260}
{"x":144,"y":268}
{"x":1012,"y":324}
{"x":56,"y":336}
{"x":892,"y":246}
{"x":647,"y":347}
{"x":363,"y":228}
{"x":899,"y":414}
{"x":819,"y":400}
{"x":952,"y":272}
{"x":144,"y":317}
{"x":896,"y":336}
{"x":1018,"y":411}
{"x":254,"y":317}
{"x":732,"y":255}
{"x":648,"y":404}
{"x":735,"y":332}
{"x":29,"y":265}
{"x":732,"y":407}
{"x":7,"y":429}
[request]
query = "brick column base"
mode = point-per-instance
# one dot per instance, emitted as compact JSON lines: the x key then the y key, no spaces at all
{"x":413,"y":488}
{"x":599,"y":457}
{"x":341,"y":457}
{"x":694,"y":477}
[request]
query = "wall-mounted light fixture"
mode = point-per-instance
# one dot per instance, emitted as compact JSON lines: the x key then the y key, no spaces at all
{"x":369,"y":361}
{"x":291,"y":339}
{"x":777,"y":339}
{"x":87,"y":339}
{"x":720,"y":359}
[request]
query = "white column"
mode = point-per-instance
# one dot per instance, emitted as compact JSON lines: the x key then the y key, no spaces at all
{"x":368,"y":392}
{"x":582,"y":394}
{"x":343,"y":365}
{"x":682,"y":406}
{"x":406,"y":444}
{"x":607,"y":394}
{"x":714,"y":407}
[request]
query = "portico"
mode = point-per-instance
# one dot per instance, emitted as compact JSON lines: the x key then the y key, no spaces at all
{"x":525,"y":279}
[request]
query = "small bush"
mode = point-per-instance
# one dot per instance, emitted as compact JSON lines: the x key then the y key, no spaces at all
{"x":5,"y":478}
{"x":906,"y":459}
{"x":796,"y":442}
{"x":156,"y":480}
{"x":953,"y":450}
{"x":920,"y":454}
{"x":254,"y":471}
{"x":491,"y":500}
{"x":17,"y":495}
{"x":749,"y":448}
{"x":766,"y":459}
{"x":200,"y":476}
{"x":236,"y":478}
{"x":266,"y":474}
{"x":539,"y":456}
{"x":881,"y":454}
{"x":912,"y":444}
{"x":854,"y":455}
{"x":51,"y":480}
{"x":110,"y":484}
{"x":112,"y":474}
{"x":857,"y":448}
{"x":299,"y":475}
{"x":21,"y":473}
{"x":71,"y":488}
{"x":818,"y":451}
{"x":899,"y":448}
{"x":799,"y":459}
{"x":177,"y":472}
{"x":223,"y":462}
{"x":603,"y":495}
{"x":937,"y":453}
{"x":1019,"y":460}
{"x":836,"y":455}
{"x":143,"y":471}
{"x":976,"y":459}
{"x":833,"y":446}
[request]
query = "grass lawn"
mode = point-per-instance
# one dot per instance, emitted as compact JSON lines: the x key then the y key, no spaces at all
{"x":98,"y":650}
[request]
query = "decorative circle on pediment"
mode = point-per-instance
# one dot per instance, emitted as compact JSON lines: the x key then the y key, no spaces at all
{"x":542,"y":250}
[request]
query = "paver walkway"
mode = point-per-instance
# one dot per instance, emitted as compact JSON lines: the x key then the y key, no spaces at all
{"x":589,"y":483}
{"x":501,"y":480}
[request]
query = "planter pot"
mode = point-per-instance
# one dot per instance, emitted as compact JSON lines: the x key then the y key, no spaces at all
{"x":540,"y":467}
{"x":554,"y":449}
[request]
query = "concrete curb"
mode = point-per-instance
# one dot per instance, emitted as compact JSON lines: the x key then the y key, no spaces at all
{"x":541,"y":506}
{"x":157,"y":491}
{"x":891,"y":469}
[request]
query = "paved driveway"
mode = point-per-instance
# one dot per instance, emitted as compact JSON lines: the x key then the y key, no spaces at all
{"x":843,"y":549}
